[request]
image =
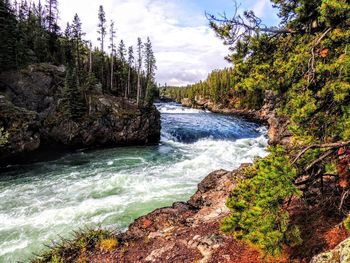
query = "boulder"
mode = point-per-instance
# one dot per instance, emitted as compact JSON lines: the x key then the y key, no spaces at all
{"x":340,"y":254}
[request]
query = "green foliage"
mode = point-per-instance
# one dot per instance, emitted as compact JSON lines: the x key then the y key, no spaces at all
{"x":75,"y":250}
{"x":3,"y":136}
{"x":152,"y":93}
{"x":75,"y":104}
{"x":343,"y":126}
{"x":8,"y":27}
{"x":56,"y":259}
{"x":335,"y":12}
{"x":224,"y":87}
{"x":256,"y":204}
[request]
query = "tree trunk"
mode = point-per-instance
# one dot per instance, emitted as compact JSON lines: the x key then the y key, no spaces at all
{"x":77,"y":61}
{"x":127,"y":90}
{"x":90,"y":61}
{"x":112,"y":72}
{"x":138,"y":96}
{"x":146,"y":89}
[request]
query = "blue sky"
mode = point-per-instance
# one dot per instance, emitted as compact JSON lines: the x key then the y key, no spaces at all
{"x":263,"y":8}
{"x":185,"y":47}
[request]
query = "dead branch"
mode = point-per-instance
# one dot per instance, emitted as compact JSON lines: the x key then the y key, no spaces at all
{"x":330,"y":175}
{"x":231,"y":30}
{"x":320,"y":146}
{"x":323,"y":156}
{"x":311,"y":64}
{"x":303,"y":182}
{"x":343,"y":198}
{"x":308,"y":179}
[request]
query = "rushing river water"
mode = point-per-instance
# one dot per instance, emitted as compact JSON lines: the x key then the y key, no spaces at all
{"x":112,"y":187}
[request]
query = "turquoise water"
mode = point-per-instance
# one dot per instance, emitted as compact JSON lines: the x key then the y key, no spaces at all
{"x":112,"y":187}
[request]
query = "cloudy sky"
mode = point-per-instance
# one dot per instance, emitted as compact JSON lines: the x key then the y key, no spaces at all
{"x":186,"y":49}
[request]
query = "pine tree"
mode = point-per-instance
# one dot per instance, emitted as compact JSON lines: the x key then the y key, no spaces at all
{"x":102,"y":33}
{"x":139,"y":67}
{"x":122,"y":59}
{"x":112,"y":46}
{"x":77,"y":35}
{"x":130,"y":63}
{"x":150,"y":65}
{"x":53,"y":30}
{"x":40,"y":35}
{"x":40,"y":14}
{"x":90,"y":57}
{"x":75,"y":104}
{"x":122,"y":51}
{"x":52,"y":16}
{"x":67,"y":45}
{"x":101,"y":27}
{"x":8,"y":31}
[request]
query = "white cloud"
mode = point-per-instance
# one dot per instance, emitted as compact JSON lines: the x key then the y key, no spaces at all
{"x":185,"y":48}
{"x":260,"y":7}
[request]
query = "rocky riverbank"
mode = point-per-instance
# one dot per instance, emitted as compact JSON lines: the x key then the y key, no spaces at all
{"x":190,"y":232}
{"x":184,"y":232}
{"x":278,"y":132}
{"x":31,"y":112}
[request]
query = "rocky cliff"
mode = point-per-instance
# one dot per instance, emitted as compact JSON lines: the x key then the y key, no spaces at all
{"x":31,"y":112}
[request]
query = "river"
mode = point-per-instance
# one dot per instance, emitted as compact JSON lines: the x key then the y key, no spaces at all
{"x":112,"y":187}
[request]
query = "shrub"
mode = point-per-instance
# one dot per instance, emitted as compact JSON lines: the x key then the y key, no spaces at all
{"x":256,"y":204}
{"x":75,"y":250}
{"x":108,"y":244}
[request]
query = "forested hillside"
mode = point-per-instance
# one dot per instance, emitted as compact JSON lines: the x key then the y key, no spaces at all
{"x":57,"y":88}
{"x":306,"y":62}
{"x":30,"y":34}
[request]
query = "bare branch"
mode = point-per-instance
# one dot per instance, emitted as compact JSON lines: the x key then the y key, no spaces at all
{"x":343,"y":198}
{"x":311,"y":64}
{"x":321,"y":146}
{"x":322,"y":157}
{"x":231,"y":30}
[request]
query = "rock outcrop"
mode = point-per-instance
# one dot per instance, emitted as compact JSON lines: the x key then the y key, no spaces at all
{"x":185,"y":232}
{"x":31,"y":112}
{"x":190,"y":232}
{"x":340,"y":254}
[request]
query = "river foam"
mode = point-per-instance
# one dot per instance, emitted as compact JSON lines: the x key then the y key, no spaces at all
{"x":112,"y":187}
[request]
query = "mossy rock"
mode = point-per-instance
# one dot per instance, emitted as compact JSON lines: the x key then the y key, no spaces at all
{"x":341,"y":254}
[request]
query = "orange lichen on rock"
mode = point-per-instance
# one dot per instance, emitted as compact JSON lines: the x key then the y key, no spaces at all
{"x":335,"y":235}
{"x":146,"y":223}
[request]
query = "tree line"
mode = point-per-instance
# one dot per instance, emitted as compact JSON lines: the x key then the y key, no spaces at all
{"x":30,"y":34}
{"x":222,"y":86}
